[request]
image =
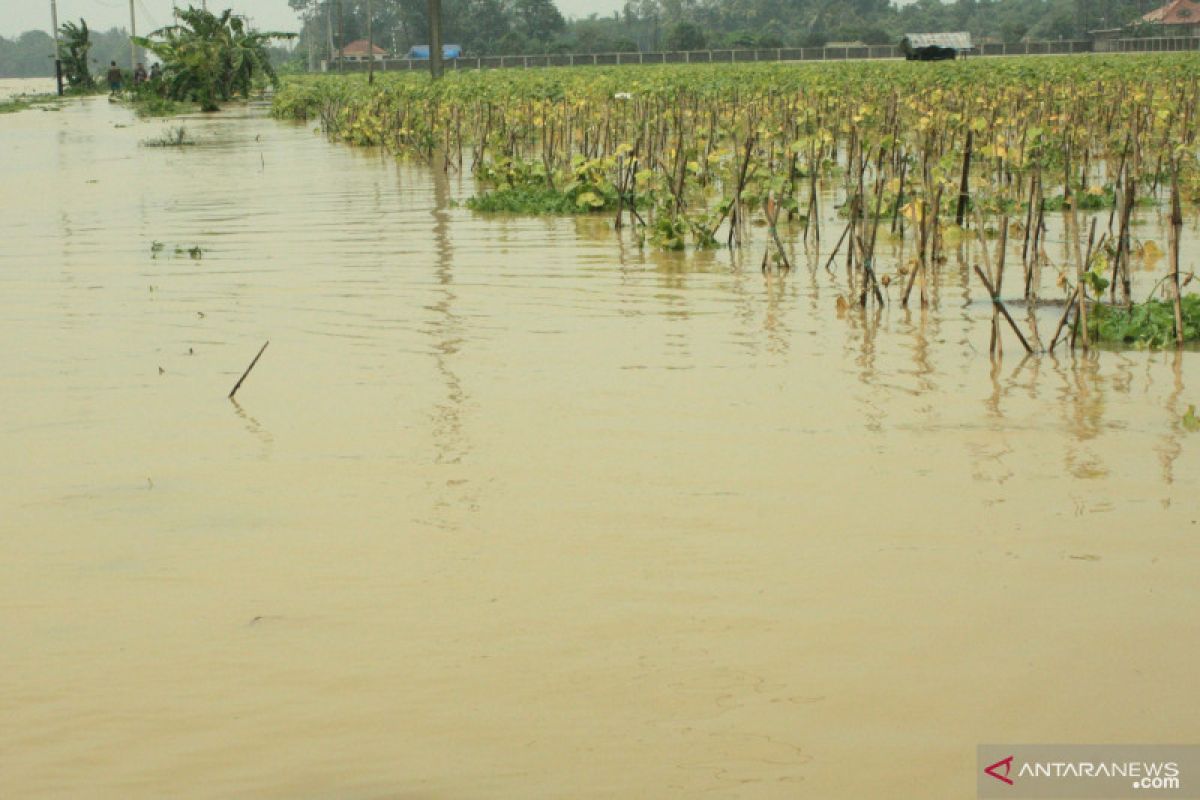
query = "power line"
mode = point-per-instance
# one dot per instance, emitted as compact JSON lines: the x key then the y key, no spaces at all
{"x":147,"y":15}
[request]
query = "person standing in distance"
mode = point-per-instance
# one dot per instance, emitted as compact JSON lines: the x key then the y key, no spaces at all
{"x":114,"y":79}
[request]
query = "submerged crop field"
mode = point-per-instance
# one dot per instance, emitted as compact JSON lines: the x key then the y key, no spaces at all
{"x":1016,"y":155}
{"x":625,"y":433}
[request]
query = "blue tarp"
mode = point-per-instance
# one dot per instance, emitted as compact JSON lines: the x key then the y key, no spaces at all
{"x":420,"y":52}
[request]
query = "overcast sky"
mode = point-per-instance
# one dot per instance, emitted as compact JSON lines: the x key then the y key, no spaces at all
{"x":17,"y":16}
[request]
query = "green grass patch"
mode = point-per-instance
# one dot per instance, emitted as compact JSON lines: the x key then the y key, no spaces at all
{"x":542,"y":200}
{"x":1147,"y":325}
{"x":148,"y":104}
{"x":171,"y":137}
{"x":27,"y":101}
{"x":1098,"y":198}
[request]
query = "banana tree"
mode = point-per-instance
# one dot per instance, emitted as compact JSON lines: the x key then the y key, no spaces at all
{"x":208,"y":58}
{"x":73,"y":50}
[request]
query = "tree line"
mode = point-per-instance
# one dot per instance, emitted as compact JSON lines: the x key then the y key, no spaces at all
{"x":502,"y":27}
{"x":685,"y":24}
{"x":31,"y":55}
{"x":480,"y":26}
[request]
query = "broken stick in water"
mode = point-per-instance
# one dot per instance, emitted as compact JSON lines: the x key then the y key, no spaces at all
{"x":238,"y":385}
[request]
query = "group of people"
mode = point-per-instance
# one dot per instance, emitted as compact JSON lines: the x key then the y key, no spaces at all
{"x":116,"y":78}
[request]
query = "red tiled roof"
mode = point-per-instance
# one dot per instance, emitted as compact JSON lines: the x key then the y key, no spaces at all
{"x":1176,"y":12}
{"x":359,"y":48}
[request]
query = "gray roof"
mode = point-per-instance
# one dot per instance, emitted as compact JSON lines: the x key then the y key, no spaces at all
{"x":956,"y":41}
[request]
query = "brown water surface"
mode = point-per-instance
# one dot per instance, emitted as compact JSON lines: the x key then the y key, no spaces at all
{"x":12,"y":87}
{"x":513,"y":509}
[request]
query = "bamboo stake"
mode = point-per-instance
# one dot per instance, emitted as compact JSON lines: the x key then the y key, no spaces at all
{"x":238,"y":385}
{"x":964,"y":190}
{"x":1080,"y":269}
{"x":838,"y":246}
{"x":1063,"y":320}
{"x":998,"y":304}
{"x":1176,"y":230}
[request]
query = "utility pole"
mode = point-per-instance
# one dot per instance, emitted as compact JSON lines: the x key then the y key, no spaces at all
{"x":341,"y":38}
{"x":308,"y":36}
{"x":57,"y":60}
{"x":435,"y":39}
{"x":329,"y":31}
{"x":370,"y":46}
{"x":132,"y":33}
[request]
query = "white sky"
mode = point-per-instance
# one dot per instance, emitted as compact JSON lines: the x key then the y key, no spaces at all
{"x":18,"y":16}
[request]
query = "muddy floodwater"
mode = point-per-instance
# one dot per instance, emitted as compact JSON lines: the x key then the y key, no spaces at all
{"x":510,"y":508}
{"x":12,"y":87}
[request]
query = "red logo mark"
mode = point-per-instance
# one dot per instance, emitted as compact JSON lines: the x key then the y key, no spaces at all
{"x":1007,"y":764}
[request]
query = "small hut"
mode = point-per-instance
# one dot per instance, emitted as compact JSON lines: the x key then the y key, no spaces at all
{"x":357,"y":51}
{"x":1177,"y":18}
{"x":935,"y":46}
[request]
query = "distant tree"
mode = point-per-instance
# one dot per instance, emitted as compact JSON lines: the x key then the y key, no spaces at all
{"x":27,"y":56}
{"x":511,"y":44}
{"x":876,"y":35}
{"x":478,"y":29}
{"x":1060,"y":23}
{"x":741,"y":39}
{"x":597,"y":34}
{"x":1013,"y":31}
{"x":685,"y":36}
{"x":31,"y":53}
{"x":537,"y":20}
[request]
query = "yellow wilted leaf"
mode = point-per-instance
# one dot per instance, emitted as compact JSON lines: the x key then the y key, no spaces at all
{"x":589,"y":200}
{"x":912,"y":212}
{"x":1151,"y":255}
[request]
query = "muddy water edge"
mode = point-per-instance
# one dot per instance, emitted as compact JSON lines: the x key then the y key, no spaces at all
{"x":513,"y":508}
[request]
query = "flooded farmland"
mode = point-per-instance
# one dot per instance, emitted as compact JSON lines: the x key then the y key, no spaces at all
{"x":514,"y":508}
